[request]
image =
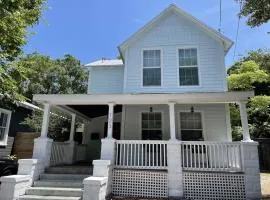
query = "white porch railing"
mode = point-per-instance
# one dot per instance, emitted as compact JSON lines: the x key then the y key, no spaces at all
{"x":80,"y":152}
{"x":141,"y":154}
{"x":211,"y":156}
{"x":60,"y":153}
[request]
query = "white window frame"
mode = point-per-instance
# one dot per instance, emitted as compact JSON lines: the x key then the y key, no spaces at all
{"x":178,"y":67}
{"x":162,"y":121}
{"x":161,"y":68}
{"x":179,"y":123}
{"x":5,"y":140}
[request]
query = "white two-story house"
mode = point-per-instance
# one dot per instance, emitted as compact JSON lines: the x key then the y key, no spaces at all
{"x":158,"y":118}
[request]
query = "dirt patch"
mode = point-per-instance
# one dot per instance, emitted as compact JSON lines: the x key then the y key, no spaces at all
{"x":265,"y":184}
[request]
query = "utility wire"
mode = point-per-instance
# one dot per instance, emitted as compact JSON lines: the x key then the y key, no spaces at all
{"x":237,"y":31}
{"x":220,"y":15}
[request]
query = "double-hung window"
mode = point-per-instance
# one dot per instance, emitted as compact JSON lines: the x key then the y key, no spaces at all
{"x":151,"y":126}
{"x":4,"y":125}
{"x":188,"y":67}
{"x":191,"y":126}
{"x":151,"y":68}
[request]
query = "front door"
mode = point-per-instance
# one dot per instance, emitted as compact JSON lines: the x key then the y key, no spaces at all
{"x":116,"y":130}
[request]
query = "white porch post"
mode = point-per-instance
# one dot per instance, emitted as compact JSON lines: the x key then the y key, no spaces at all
{"x":172,"y":121}
{"x":244,"y":121}
{"x":72,"y":145}
{"x":72,"y":127}
{"x":175,"y":174}
{"x":110,"y":121}
{"x":45,"y":121}
{"x":108,"y":143}
{"x":43,"y":145}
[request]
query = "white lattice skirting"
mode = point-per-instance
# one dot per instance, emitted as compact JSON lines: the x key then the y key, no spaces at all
{"x":207,"y":185}
{"x":140,"y":183}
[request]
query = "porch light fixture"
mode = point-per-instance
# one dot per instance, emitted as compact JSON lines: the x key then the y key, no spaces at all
{"x":151,"y":109}
{"x":192,"y":109}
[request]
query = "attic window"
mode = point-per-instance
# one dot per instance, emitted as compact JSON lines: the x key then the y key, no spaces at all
{"x":188,"y":67}
{"x":151,"y":67}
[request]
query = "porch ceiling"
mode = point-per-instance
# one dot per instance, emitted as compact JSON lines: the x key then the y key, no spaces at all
{"x":93,"y":111}
{"x":133,"y":99}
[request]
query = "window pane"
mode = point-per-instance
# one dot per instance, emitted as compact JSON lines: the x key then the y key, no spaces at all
{"x":2,"y":133}
{"x":151,"y":58}
{"x":188,"y":76}
{"x":4,"y":123}
{"x":152,"y":77}
{"x":157,"y":116}
{"x":144,"y":116}
{"x":158,"y":124}
{"x":144,"y":124}
{"x":187,"y":57}
{"x":1,"y":118}
{"x":190,"y":120}
{"x":151,"y":116}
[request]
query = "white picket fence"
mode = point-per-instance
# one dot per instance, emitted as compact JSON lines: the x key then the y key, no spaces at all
{"x":196,"y":155}
{"x":141,"y":154}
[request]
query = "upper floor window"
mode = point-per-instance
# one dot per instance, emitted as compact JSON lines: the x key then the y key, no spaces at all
{"x":4,"y":125}
{"x":188,"y":67}
{"x":151,"y":68}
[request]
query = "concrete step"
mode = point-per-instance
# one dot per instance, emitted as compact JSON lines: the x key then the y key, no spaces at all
{"x":51,"y":191}
{"x":77,"y":177}
{"x":70,"y":170}
{"x":59,"y":183}
{"x":36,"y":197}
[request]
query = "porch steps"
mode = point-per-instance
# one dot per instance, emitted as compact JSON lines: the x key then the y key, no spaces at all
{"x":59,"y":183}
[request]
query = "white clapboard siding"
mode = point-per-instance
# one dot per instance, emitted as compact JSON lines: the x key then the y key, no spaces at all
{"x":172,"y":33}
{"x":106,"y":80}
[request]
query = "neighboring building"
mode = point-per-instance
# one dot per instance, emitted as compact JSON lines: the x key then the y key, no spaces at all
{"x":10,"y":124}
{"x":163,"y":111}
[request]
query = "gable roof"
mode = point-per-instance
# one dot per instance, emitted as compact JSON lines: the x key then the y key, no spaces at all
{"x":105,"y":63}
{"x":227,"y":43}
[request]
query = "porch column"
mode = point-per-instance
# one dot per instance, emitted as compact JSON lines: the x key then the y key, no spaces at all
{"x":72,"y":156}
{"x":45,"y":121}
{"x":72,"y":127}
{"x":244,"y":121}
{"x":43,"y":145}
{"x":110,"y":121}
{"x":172,"y":121}
{"x":108,"y":143}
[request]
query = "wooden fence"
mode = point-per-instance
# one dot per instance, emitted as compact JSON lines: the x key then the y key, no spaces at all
{"x":264,"y":153}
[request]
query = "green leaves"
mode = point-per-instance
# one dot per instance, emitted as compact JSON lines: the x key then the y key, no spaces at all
{"x":246,"y":75}
{"x":49,"y":76}
{"x":257,"y":11}
{"x":16,"y":16}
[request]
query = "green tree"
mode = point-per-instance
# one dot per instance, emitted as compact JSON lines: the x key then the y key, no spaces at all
{"x":257,"y":11}
{"x":59,"y":127}
{"x":49,"y":76}
{"x":252,"y":73}
{"x":246,"y":75}
{"x":16,"y":16}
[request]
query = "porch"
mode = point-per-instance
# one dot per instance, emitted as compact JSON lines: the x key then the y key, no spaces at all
{"x":164,"y":166}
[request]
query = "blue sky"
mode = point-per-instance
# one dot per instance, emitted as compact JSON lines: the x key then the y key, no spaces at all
{"x":91,"y":29}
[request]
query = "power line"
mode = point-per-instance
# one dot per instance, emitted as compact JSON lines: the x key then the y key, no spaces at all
{"x":237,"y":31}
{"x":220,"y":15}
